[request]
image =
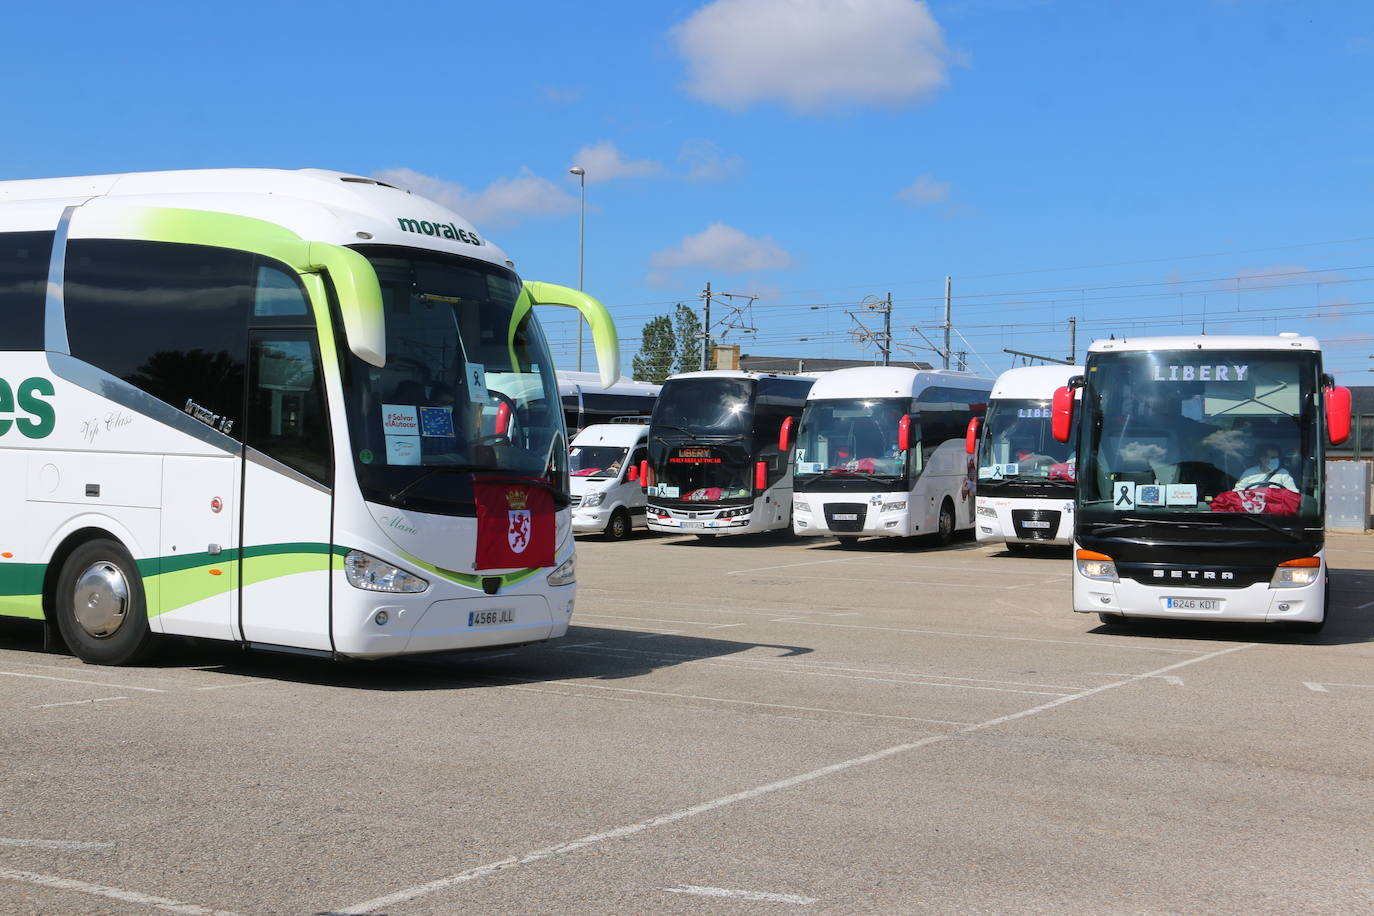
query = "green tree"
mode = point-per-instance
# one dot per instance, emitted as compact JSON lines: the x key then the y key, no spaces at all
{"x":657,"y":351}
{"x":688,"y":327}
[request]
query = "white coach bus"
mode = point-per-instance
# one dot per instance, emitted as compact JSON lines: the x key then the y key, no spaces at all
{"x":1201,"y":478}
{"x":1025,"y":476}
{"x":714,"y":466}
{"x":587,"y":401}
{"x":294,"y":410}
{"x":880,"y":453}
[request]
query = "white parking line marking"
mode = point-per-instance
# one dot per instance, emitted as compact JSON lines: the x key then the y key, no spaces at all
{"x":739,"y":895}
{"x":77,"y":702}
{"x":691,"y":623}
{"x":692,"y":696}
{"x":1320,"y":687}
{"x":563,"y":849}
{"x":113,"y":893}
{"x":1082,"y":644}
{"x":73,"y":680}
{"x":887,"y":581}
{"x":1365,"y":605}
{"x":235,"y":684}
{"x":741,"y":572}
{"x":1167,"y":678}
{"x":53,"y":844}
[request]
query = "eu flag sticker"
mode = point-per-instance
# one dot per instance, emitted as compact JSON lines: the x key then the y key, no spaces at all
{"x":436,"y":421}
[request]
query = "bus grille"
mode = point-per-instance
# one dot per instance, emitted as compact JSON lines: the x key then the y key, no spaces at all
{"x":858,"y":511}
{"x":1043,"y":524}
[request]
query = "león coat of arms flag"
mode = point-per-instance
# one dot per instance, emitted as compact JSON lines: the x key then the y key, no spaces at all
{"x":515,"y":524}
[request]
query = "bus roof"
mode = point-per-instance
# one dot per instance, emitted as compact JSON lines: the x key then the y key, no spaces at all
{"x":736,"y":373}
{"x":888,"y":382}
{"x":316,"y":204}
{"x":569,"y":381}
{"x":1033,"y":381}
{"x":1285,"y":341}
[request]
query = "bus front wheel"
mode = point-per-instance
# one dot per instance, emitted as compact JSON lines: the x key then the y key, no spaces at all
{"x":945,"y":532}
{"x":100,"y":606}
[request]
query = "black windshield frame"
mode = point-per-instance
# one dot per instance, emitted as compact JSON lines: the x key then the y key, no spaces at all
{"x":1016,"y":432}
{"x":1142,"y":406}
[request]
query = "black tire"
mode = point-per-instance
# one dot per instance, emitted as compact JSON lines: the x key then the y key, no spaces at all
{"x":1112,"y":620}
{"x":1019,"y":550}
{"x":100,"y":606}
{"x":706,"y":537}
{"x":848,"y":543}
{"x":620,"y":526}
{"x":944,"y":532}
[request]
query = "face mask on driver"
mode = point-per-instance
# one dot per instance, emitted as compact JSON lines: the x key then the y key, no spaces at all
{"x":1272,"y":464}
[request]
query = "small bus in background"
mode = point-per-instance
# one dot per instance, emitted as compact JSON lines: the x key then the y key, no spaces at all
{"x":1201,"y":478}
{"x":1025,"y":476}
{"x":603,"y":469}
{"x":879,"y":452}
{"x":714,"y":465}
{"x":302,"y":411}
{"x":585,"y":401}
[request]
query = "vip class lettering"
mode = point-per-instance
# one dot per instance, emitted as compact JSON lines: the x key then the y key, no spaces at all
{"x":1231,"y":373}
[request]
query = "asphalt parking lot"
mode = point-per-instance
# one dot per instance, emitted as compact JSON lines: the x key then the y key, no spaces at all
{"x":758,"y":725}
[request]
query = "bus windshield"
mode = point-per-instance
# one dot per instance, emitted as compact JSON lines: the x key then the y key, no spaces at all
{"x":1173,"y":434}
{"x":1016,"y":446}
{"x":707,"y":406}
{"x":852,"y":436}
{"x":463,"y":385}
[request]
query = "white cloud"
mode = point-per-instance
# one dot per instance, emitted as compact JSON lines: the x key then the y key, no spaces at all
{"x":925,"y":191}
{"x":722,"y":248}
{"x":812,"y":54}
{"x":703,"y":160}
{"x":604,"y":162}
{"x":506,"y":201}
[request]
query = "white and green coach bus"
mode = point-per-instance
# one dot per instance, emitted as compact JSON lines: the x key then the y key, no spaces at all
{"x":264,"y":406}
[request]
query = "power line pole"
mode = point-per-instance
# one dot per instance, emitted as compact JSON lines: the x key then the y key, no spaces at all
{"x":948,"y":324}
{"x":1073,"y":345}
{"x":706,"y":327}
{"x":887,"y":330}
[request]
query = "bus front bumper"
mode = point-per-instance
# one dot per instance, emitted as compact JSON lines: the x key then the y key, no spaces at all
{"x":1259,"y":603}
{"x":889,"y":516}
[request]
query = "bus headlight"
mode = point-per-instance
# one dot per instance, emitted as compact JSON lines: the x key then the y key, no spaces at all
{"x":800,"y":505}
{"x":894,"y":507}
{"x":592,"y":500}
{"x":1297,"y":573}
{"x":367,"y":572}
{"x":987,"y":511}
{"x":565,"y":574}
{"x":1094,"y":565}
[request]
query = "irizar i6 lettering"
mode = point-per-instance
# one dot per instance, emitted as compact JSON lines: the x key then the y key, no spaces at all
{"x":284,"y":409}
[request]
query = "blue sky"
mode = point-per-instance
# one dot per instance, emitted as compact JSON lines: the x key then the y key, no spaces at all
{"x":1143,"y":167}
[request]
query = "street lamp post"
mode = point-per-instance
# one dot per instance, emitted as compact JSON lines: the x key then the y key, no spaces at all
{"x":581,"y":174}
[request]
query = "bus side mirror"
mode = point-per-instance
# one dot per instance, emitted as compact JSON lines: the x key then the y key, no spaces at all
{"x":761,"y":475}
{"x":633,"y":474}
{"x":604,"y":338}
{"x":360,"y":299}
{"x":502,"y":419}
{"x":785,"y":435}
{"x":904,"y":432}
{"x":1061,"y":421}
{"x":971,"y":436}
{"x":644,"y":474}
{"x":1337,"y":414}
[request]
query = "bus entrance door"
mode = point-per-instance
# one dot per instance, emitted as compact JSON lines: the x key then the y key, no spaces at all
{"x":287,"y":497}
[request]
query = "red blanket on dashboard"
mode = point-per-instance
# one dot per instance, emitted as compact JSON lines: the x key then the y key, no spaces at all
{"x":1266,"y":500}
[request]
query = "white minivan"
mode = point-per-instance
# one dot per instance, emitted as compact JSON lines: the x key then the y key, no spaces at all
{"x":603,"y":467}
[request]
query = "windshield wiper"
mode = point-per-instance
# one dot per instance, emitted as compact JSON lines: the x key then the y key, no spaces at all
{"x":1260,"y":520}
{"x":429,"y":472}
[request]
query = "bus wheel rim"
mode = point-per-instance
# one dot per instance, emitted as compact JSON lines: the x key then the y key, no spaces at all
{"x":100,"y":600}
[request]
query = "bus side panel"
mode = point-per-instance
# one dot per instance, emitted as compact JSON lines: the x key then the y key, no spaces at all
{"x":199,"y":571}
{"x":946,"y":476}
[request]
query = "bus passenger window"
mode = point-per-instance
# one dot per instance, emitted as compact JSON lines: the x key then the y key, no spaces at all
{"x":278,"y":294}
{"x":287,"y":415}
